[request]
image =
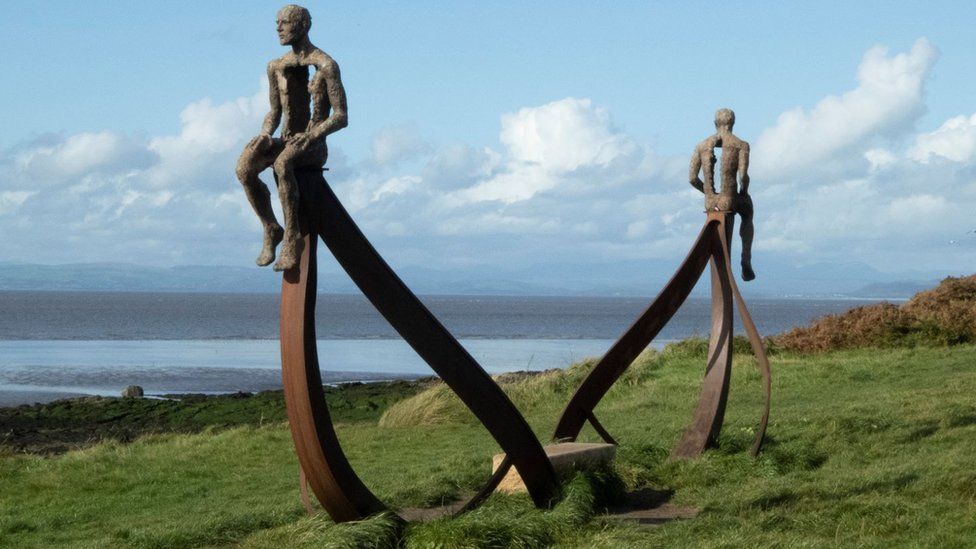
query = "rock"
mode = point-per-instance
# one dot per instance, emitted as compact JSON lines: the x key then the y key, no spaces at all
{"x":132,"y":391}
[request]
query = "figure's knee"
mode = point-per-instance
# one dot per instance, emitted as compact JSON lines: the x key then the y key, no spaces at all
{"x":249,"y":165}
{"x":244,"y":170}
{"x":282,"y":165}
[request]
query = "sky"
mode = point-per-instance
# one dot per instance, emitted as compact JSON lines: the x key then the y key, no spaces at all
{"x":530,"y":135}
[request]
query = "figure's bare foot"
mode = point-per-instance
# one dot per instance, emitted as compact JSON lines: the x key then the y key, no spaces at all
{"x":747,"y":272}
{"x":272,"y":236}
{"x":291,"y":251}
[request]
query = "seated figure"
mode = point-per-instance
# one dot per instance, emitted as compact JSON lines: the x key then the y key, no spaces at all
{"x":312,"y":109}
{"x":733,"y":196}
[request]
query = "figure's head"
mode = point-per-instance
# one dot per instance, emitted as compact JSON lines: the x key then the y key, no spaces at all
{"x":724,"y":119}
{"x":293,"y":24}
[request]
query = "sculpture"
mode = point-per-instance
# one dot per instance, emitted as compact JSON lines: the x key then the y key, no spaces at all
{"x":312,"y":210}
{"x":302,"y":141}
{"x":731,"y":196}
{"x":712,"y":246}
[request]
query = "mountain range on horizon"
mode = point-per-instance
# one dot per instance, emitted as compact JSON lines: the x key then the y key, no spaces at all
{"x":622,"y":278}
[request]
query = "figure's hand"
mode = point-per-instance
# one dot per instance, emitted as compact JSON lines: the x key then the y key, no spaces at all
{"x":261,"y":141}
{"x":299,"y":141}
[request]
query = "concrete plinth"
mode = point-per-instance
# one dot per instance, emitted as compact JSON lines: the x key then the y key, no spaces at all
{"x":565,"y":457}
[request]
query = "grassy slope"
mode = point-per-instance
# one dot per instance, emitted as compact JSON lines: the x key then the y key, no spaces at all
{"x":867,"y":447}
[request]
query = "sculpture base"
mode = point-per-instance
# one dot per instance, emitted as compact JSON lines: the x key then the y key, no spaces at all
{"x":565,"y":457}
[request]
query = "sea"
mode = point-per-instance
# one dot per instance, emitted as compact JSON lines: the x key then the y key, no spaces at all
{"x":63,"y":344}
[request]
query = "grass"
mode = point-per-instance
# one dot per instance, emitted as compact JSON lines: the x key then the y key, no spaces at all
{"x":867,"y":448}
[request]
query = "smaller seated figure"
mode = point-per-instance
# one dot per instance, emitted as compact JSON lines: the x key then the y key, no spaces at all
{"x":312,"y":109}
{"x":733,"y":195}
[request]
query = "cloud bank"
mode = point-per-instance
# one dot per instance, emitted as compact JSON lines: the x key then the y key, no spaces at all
{"x":847,"y":179}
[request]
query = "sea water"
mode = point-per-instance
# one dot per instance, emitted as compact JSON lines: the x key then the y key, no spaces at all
{"x":56,"y":344}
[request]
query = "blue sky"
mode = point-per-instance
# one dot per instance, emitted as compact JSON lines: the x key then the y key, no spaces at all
{"x":474,"y":127}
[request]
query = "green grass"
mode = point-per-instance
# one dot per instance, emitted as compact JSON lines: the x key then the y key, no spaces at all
{"x":868,"y":448}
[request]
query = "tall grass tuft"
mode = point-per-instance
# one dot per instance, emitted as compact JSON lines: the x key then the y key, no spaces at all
{"x":512,"y":521}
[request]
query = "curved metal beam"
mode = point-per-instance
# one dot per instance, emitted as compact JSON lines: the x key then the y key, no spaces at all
{"x":328,"y":472}
{"x":709,"y":414}
{"x":623,"y":352}
{"x":334,"y":483}
{"x":758,"y":349}
{"x":712,"y":246}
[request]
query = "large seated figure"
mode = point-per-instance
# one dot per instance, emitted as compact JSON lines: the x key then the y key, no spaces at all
{"x":312,"y":109}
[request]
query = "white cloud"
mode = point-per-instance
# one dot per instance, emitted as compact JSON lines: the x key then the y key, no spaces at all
{"x":954,"y":140}
{"x":395,"y":185}
{"x":563,"y":135}
{"x":880,"y":159}
{"x":209,"y":141}
{"x":888,"y":99}
{"x":83,"y":153}
{"x":545,"y":145}
{"x":11,"y":200}
{"x":567,"y":186}
{"x":395,"y":144}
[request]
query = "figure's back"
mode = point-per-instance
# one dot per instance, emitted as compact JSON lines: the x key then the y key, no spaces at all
{"x":732,"y":148}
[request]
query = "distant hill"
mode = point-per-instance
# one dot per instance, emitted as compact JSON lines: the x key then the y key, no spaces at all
{"x":902,"y":289}
{"x":617,"y":278}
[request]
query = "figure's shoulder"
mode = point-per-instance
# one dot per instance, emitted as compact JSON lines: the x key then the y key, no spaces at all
{"x":323,"y":61}
{"x":286,"y":60}
{"x":707,"y":144}
{"x":740,"y":143}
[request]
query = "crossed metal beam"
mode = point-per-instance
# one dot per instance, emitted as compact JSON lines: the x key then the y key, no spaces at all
{"x":332,"y":479}
{"x":712,"y":246}
{"x":323,"y":463}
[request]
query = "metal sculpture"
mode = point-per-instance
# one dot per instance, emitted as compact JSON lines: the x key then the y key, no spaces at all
{"x":312,"y":210}
{"x":712,"y":246}
{"x":332,"y":480}
{"x":312,"y":108}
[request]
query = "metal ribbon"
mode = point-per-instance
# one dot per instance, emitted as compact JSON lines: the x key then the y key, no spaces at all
{"x":712,"y":246}
{"x":328,"y":473}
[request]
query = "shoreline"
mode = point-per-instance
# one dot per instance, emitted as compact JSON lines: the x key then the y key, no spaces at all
{"x":78,"y":422}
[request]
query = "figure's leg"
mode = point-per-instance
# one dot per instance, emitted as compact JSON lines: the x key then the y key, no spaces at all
{"x":254,"y":159}
{"x":291,"y":247}
{"x":746,"y":231}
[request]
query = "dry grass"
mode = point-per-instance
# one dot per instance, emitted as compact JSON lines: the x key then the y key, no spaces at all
{"x":529,"y":391}
{"x":944,"y":315}
{"x":950,"y":306}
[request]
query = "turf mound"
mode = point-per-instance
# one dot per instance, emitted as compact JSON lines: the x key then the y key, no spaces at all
{"x":944,"y":315}
{"x":950,"y":307}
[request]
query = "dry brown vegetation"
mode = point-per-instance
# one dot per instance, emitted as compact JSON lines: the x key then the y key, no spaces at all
{"x":944,"y":315}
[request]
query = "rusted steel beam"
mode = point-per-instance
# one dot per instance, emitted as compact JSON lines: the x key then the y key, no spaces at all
{"x":600,"y":430}
{"x":333,"y":482}
{"x":623,"y":352}
{"x":328,"y":472}
{"x":711,"y":247}
{"x":758,"y":349}
{"x":709,"y":414}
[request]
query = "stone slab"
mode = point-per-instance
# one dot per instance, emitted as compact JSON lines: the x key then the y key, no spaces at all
{"x":565,"y":457}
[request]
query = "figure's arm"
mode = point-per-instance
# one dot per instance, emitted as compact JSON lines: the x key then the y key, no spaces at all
{"x":327,"y":86}
{"x":693,"y":170}
{"x":744,"y":169}
{"x":273,"y":118}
